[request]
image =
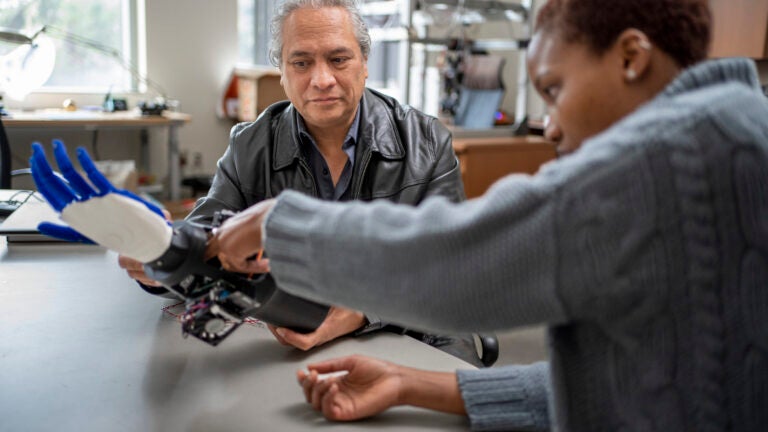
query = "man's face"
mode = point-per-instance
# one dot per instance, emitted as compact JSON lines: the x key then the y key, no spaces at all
{"x":323,"y":69}
{"x":584,"y":92}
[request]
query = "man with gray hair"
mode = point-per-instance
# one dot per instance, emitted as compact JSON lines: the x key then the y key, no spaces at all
{"x":334,"y":139}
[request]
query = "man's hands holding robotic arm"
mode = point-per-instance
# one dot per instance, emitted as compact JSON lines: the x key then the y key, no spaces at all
{"x":102,"y":214}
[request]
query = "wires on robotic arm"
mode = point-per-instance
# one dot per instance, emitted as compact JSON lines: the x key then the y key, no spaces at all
{"x":218,"y":301}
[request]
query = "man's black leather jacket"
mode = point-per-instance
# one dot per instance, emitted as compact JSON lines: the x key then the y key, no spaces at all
{"x":402,"y":155}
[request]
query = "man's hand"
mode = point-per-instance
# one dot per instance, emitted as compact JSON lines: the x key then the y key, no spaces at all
{"x":339,"y":322}
{"x":135,"y":269}
{"x":370,"y":387}
{"x":238,"y":241}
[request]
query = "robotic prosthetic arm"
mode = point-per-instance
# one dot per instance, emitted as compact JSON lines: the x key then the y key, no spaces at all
{"x":217,"y":301}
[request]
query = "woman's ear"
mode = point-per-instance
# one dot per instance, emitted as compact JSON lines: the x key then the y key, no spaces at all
{"x":635,"y":50}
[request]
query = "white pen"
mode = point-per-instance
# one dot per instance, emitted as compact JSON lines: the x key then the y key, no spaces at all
{"x":325,"y":376}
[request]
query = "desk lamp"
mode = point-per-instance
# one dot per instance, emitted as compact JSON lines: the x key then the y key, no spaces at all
{"x":28,"y":64}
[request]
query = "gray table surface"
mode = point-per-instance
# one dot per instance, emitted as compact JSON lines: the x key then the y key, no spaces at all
{"x":83,"y":348}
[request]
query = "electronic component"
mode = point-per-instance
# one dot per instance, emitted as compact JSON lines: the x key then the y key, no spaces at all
{"x":218,"y":301}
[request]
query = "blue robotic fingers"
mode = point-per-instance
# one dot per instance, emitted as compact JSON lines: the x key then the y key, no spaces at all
{"x":72,"y":188}
{"x":55,"y":190}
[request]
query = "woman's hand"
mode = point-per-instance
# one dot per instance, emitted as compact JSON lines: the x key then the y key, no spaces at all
{"x":369,"y":387}
{"x":239,"y":240}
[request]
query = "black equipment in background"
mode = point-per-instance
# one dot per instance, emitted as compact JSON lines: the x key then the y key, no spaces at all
{"x":5,"y":158}
{"x":149,"y":108}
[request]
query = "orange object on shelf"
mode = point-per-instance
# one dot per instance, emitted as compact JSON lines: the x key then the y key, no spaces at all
{"x":229,"y":102}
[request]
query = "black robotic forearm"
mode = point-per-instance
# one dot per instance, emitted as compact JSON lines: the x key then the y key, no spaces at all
{"x":217,"y":301}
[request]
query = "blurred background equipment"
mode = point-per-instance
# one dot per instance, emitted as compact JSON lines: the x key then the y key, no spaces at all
{"x":479,"y":91}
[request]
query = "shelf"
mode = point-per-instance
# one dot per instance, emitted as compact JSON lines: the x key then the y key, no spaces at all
{"x":494,"y":132}
{"x":380,"y":8}
{"x":388,"y":34}
{"x":480,"y":44}
{"x":490,"y":10}
{"x":151,"y":189}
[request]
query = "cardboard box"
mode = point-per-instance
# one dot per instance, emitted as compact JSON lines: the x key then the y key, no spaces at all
{"x":257,"y":88}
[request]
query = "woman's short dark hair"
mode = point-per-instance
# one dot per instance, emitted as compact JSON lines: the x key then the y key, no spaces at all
{"x":680,"y":28}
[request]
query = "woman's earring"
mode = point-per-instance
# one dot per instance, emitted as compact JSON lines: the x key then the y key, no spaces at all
{"x":631,"y":75}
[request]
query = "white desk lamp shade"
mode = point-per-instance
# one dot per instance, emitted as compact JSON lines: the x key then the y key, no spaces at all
{"x":27,"y":67}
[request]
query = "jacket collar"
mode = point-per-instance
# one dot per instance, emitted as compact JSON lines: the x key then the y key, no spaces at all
{"x":377,"y":127}
{"x":377,"y":131}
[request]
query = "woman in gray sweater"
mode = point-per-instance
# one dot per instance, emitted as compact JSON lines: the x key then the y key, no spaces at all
{"x":645,"y":249}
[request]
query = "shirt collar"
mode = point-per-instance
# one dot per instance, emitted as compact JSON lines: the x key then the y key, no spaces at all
{"x":349,"y":140}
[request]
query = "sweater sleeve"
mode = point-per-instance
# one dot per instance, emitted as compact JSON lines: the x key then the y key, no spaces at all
{"x":441,"y":266}
{"x":506,"y":398}
{"x":540,"y":249}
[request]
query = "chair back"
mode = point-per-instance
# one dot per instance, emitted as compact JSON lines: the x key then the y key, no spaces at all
{"x":5,"y":158}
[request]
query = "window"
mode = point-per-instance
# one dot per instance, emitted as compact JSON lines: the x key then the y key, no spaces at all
{"x":254,"y":18}
{"x":95,"y":40}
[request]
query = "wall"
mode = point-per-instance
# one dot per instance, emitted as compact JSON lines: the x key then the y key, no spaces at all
{"x":191,"y":48}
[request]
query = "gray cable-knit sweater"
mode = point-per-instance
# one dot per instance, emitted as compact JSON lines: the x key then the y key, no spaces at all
{"x":646,"y":253}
